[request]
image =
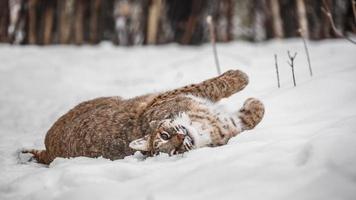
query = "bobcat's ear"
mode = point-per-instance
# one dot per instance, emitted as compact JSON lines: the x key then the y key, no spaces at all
{"x":141,"y":144}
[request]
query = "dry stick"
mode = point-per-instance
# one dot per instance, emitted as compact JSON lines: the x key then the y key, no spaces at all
{"x":291,"y":64}
{"x":301,"y":32}
{"x":212,"y":40}
{"x":327,"y":12}
{"x":276,"y":63}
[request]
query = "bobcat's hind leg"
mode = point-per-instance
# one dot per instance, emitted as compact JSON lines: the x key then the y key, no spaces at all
{"x":41,"y":156}
{"x":251,"y":113}
{"x":215,"y":88}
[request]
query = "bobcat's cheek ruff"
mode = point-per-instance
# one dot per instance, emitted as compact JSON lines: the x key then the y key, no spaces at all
{"x":186,"y":137}
{"x":188,"y":143}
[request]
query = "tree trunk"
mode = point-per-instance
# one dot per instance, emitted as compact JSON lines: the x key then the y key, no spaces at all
{"x":326,"y":27}
{"x":18,"y":22}
{"x":79,"y":22}
{"x":164,"y":26}
{"x":153,"y":21}
{"x":4,"y":20}
{"x":289,"y":14}
{"x":191,"y":24}
{"x":340,"y":14}
{"x":302,"y":18}
{"x":259,"y":21}
{"x":94,"y":26}
{"x":32,"y":25}
{"x":276,"y":19}
{"x":48,"y":23}
{"x":107,"y":20}
{"x":66,"y":12}
{"x":353,"y":4}
{"x":230,"y":17}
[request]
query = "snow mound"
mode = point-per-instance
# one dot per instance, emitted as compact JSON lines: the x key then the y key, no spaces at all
{"x":305,"y":147}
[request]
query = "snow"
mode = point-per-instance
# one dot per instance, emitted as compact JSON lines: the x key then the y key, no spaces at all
{"x":305,"y":147}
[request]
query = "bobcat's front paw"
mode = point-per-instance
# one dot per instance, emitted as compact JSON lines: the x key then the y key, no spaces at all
{"x":251,"y":113}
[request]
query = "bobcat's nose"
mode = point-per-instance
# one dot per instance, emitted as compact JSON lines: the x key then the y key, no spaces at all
{"x":180,"y":137}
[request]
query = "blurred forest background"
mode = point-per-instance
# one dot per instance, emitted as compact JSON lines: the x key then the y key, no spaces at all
{"x":141,"y":22}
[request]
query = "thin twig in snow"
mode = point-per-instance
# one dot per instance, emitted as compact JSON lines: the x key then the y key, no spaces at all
{"x":291,"y":64}
{"x":327,"y":12}
{"x":210,"y":22}
{"x":277,"y":72}
{"x":301,"y":32}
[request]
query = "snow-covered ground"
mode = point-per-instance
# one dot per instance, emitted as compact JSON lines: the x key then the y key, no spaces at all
{"x":305,"y":147}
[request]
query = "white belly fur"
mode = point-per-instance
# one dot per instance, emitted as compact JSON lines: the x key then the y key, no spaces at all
{"x":201,"y":133}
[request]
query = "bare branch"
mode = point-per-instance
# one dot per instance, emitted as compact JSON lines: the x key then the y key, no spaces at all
{"x":327,"y":12}
{"x":291,"y":57}
{"x":291,"y":64}
{"x":301,"y":32}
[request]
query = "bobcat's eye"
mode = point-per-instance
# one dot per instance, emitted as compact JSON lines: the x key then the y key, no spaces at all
{"x":164,"y":135}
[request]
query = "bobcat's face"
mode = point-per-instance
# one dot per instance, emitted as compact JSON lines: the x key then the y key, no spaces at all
{"x":169,"y":137}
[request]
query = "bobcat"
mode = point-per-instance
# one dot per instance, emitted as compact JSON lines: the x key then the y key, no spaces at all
{"x":171,"y":122}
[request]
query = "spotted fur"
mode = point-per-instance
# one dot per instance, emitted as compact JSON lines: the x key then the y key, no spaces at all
{"x":171,"y":122}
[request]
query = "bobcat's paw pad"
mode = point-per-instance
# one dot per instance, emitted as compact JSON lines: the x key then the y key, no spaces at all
{"x":251,"y":113}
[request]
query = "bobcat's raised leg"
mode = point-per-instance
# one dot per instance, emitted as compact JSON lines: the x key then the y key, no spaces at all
{"x":251,"y":113}
{"x":215,"y":88}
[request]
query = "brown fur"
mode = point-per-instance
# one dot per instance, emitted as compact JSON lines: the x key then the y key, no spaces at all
{"x":106,"y":126}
